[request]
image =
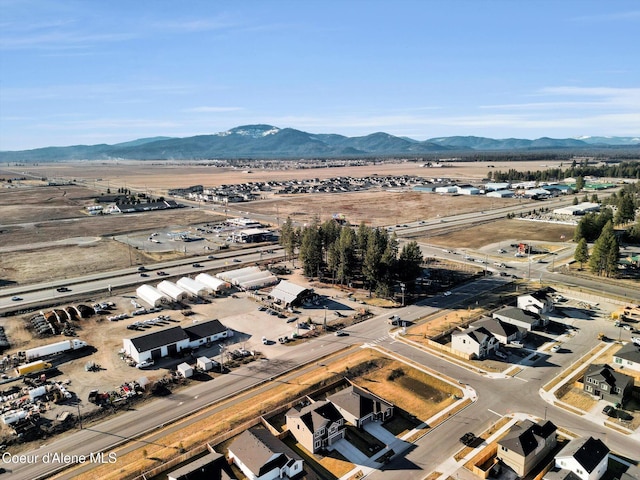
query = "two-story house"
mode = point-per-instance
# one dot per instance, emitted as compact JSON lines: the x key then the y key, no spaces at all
{"x":261,"y":456}
{"x":601,"y":380}
{"x":504,"y":332}
{"x":525,"y":320}
{"x":477,"y":342}
{"x":582,"y":458}
{"x":359,"y":406}
{"x":316,"y":426}
{"x":539,"y":302}
{"x":526,"y":444}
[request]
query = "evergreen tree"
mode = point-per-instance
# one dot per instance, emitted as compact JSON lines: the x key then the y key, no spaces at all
{"x":575,"y":200}
{"x":626,"y":211}
{"x":345,"y":250}
{"x":579,"y":183}
{"x":311,"y":250}
{"x":604,"y":257}
{"x":288,"y":238}
{"x":581,"y":254}
{"x":410,"y":261}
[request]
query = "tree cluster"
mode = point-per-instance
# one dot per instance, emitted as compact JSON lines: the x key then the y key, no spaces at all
{"x":617,"y":170}
{"x":344,"y":254}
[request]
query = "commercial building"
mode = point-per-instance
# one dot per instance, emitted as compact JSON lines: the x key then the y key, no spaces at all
{"x":150,"y":295}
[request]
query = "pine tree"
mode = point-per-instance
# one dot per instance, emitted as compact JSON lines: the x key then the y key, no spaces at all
{"x":626,"y":211}
{"x":581,"y":254}
{"x":604,"y":257}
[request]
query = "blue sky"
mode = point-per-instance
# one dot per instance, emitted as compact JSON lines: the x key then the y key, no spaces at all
{"x":89,"y":72}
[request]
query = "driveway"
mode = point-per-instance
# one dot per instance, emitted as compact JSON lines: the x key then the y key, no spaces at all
{"x":377,"y":430}
{"x":350,"y":452}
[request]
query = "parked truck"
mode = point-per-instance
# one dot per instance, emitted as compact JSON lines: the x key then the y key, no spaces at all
{"x":53,"y":348}
{"x":32,"y":367}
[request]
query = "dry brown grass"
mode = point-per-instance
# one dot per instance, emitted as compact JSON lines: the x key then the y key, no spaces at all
{"x":579,"y":399}
{"x":499,"y":231}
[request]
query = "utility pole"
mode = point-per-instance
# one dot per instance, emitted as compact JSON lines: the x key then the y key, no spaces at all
{"x":402,"y":287}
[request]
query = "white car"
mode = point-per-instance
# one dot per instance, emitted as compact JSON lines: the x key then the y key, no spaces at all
{"x":145,"y":364}
{"x":636,"y":340}
{"x":555,"y":348}
{"x":517,"y":343}
{"x":447,"y":293}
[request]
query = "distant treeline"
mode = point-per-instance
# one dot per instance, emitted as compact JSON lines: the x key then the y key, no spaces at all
{"x":617,"y":170}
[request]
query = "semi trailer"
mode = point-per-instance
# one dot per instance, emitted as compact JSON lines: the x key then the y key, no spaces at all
{"x":53,"y":348}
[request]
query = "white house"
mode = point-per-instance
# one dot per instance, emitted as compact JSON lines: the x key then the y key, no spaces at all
{"x":628,"y":357}
{"x":476,"y":341}
{"x":525,"y":320}
{"x":539,"y":302}
{"x":261,"y":456}
{"x":504,"y":332}
{"x":586,"y":458}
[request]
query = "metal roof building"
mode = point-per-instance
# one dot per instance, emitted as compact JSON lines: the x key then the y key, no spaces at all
{"x":215,"y":284}
{"x":193,"y":286}
{"x":150,"y":295}
{"x":171,"y":290}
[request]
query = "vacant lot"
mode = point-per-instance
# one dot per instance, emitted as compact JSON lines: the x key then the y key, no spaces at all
{"x":502,"y":230}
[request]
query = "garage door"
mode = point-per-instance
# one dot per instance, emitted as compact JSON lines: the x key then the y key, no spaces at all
{"x":156,"y":354}
{"x":172,"y":349}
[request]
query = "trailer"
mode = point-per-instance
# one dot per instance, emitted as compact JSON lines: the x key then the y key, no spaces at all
{"x":185,"y":370}
{"x":204,"y":363}
{"x":32,"y":367}
{"x":53,"y":348}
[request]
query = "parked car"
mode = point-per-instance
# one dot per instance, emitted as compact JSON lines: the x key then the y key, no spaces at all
{"x":555,"y":348}
{"x":468,"y":438}
{"x":145,"y":364}
{"x":447,"y":293}
{"x":517,"y":343}
{"x":609,"y":411}
{"x":341,"y":333}
{"x":500,"y":355}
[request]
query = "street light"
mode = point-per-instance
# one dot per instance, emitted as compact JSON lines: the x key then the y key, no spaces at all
{"x":402,"y":287}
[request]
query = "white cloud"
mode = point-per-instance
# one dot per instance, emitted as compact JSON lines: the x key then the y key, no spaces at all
{"x":205,"y":109}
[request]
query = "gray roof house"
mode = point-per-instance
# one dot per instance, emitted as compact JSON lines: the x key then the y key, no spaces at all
{"x":525,"y":320}
{"x":604,"y":382}
{"x":316,"y":426}
{"x":261,"y":456}
{"x":504,"y":332}
{"x":628,"y":356}
{"x":212,"y":466}
{"x":580,"y":459}
{"x":359,"y":406}
{"x":526,"y":444}
{"x":475,"y":342}
{"x":539,"y":302}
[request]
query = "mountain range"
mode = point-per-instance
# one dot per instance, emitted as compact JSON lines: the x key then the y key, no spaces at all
{"x":267,"y":141}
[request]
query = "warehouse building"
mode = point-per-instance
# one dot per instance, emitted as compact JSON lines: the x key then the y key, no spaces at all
{"x":171,"y":341}
{"x":289,"y":294}
{"x":214,"y":283}
{"x":193,"y":286}
{"x":171,"y":290}
{"x":249,"y":278}
{"x":150,"y":295}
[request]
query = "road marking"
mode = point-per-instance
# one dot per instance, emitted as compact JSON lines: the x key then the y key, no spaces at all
{"x":495,"y":413}
{"x":521,"y":379}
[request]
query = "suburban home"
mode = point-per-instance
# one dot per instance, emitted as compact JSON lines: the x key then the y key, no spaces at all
{"x":525,"y":320}
{"x":628,"y":356}
{"x":504,"y":332}
{"x":316,"y":426}
{"x":526,"y":444}
{"x":262,"y":456}
{"x":608,"y":384}
{"x":582,"y":458}
{"x":539,"y":302}
{"x":359,"y":406}
{"x":212,"y":466}
{"x":475,"y":341}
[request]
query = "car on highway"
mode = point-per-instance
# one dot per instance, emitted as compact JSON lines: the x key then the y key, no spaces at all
{"x":16,"y":298}
{"x":196,"y":265}
{"x":237,"y":260}
{"x":447,"y":293}
{"x":142,"y":268}
{"x":341,"y":333}
{"x":63,"y":289}
{"x":211,"y":257}
{"x":144,"y":274}
{"x":162,"y":273}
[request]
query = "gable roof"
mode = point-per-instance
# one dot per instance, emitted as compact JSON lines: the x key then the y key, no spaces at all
{"x":261,"y":452}
{"x":605,"y":373}
{"x":588,"y":452}
{"x":496,"y":326}
{"x":519,"y":314}
{"x":358,"y":401}
{"x":630,"y":352}
{"x":287,"y":292}
{"x":210,"y":466}
{"x":523,"y":437}
{"x":204,"y":329}
{"x":316,"y":415}
{"x":157,"y":339}
{"x":478,"y":334}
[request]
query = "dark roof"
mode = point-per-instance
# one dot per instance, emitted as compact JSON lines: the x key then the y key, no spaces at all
{"x":358,"y":401}
{"x":588,"y":452}
{"x":316,"y":415}
{"x":541,"y":295}
{"x":204,"y":329}
{"x":211,"y":466}
{"x":496,"y":326}
{"x":479,"y":334}
{"x":160,"y":338}
{"x":260,"y":451}
{"x":630,"y":352}
{"x":519,"y":314}
{"x":523,"y":437}
{"x":605,"y":373}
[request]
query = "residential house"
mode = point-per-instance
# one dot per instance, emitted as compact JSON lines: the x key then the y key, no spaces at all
{"x":580,"y":459}
{"x":539,"y":302}
{"x":525,"y":320}
{"x":316,"y":426}
{"x":604,"y":382}
{"x":212,"y":466}
{"x":504,"y":332}
{"x":628,"y":356}
{"x":526,"y":444}
{"x":261,"y":456}
{"x":475,"y":341}
{"x":359,"y":406}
